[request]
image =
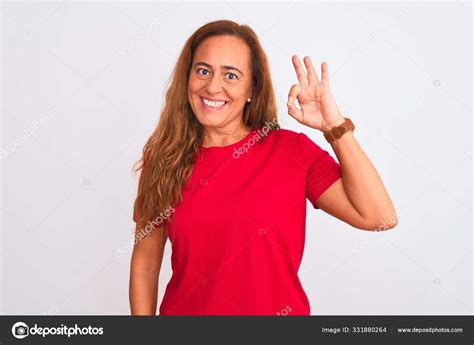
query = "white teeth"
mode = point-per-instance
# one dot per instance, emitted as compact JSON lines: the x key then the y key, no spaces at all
{"x":213,"y":104}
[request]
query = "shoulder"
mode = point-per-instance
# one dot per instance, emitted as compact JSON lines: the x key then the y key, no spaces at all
{"x":297,"y":144}
{"x":298,"y":140}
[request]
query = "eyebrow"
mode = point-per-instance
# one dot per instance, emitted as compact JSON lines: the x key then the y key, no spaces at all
{"x":201,"y":63}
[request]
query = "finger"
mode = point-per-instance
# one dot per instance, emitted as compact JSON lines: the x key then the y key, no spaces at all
{"x":295,"y":91}
{"x":293,"y":110}
{"x":300,"y":73}
{"x":324,"y":74}
{"x":312,"y":75}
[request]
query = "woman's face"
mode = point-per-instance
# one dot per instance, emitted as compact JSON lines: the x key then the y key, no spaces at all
{"x":220,"y":81}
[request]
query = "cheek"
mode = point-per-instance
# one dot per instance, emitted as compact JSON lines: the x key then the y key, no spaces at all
{"x":194,"y":85}
{"x":238,"y":95}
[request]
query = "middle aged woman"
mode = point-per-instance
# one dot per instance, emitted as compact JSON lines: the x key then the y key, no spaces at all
{"x":228,"y":186}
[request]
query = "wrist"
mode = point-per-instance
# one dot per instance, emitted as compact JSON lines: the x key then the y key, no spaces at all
{"x":333,"y":124}
{"x":337,"y":129}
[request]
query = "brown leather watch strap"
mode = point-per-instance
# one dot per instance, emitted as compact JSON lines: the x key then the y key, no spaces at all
{"x":338,"y":131}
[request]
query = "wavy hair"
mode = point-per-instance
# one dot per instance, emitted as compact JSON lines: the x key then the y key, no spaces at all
{"x":169,"y":153}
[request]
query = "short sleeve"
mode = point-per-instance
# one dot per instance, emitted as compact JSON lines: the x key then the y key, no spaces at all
{"x":323,"y":170}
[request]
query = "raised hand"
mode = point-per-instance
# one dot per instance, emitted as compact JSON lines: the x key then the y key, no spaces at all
{"x":318,"y":107}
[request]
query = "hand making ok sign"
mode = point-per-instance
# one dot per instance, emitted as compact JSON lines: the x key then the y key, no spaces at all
{"x":318,"y":107}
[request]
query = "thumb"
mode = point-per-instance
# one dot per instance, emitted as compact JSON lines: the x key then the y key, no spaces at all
{"x":293,"y":110}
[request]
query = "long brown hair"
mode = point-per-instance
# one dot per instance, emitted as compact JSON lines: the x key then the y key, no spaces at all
{"x":169,"y":154}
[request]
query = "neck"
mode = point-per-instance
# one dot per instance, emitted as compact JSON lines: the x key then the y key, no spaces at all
{"x":219,"y":136}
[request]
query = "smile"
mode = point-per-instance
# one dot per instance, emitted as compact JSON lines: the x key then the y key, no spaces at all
{"x":212,"y":105}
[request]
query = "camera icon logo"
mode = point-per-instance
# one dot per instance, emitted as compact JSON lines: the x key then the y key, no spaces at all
{"x":20,"y":330}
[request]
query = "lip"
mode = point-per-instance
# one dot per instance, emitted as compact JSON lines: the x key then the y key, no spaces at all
{"x":205,"y":106}
{"x":213,"y":99}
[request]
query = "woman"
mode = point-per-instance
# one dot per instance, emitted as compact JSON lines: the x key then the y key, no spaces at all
{"x":228,"y":186}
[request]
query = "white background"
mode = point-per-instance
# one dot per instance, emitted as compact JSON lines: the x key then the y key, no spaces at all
{"x":87,"y":80}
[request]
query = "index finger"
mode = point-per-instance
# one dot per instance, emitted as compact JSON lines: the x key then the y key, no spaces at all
{"x":300,"y":73}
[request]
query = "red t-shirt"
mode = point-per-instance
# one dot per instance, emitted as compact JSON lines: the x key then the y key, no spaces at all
{"x":238,"y":235}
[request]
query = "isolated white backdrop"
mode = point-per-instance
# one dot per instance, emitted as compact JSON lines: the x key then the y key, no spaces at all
{"x":82,"y":87}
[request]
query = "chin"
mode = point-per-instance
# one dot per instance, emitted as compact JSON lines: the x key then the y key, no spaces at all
{"x":210,"y":121}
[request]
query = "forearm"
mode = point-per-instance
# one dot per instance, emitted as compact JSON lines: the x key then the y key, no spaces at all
{"x":362,"y":183}
{"x":143,"y":291}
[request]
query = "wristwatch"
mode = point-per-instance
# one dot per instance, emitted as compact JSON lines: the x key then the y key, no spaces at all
{"x":337,"y":132}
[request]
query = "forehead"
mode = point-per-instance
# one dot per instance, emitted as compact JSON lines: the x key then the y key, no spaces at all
{"x":223,"y":50}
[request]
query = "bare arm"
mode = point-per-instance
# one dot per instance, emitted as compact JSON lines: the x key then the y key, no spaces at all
{"x":359,"y":198}
{"x":145,"y":269}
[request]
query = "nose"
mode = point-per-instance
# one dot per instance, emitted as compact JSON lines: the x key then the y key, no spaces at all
{"x":214,"y":84}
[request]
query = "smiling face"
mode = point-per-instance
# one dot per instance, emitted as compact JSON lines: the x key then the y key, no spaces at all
{"x":220,"y":81}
